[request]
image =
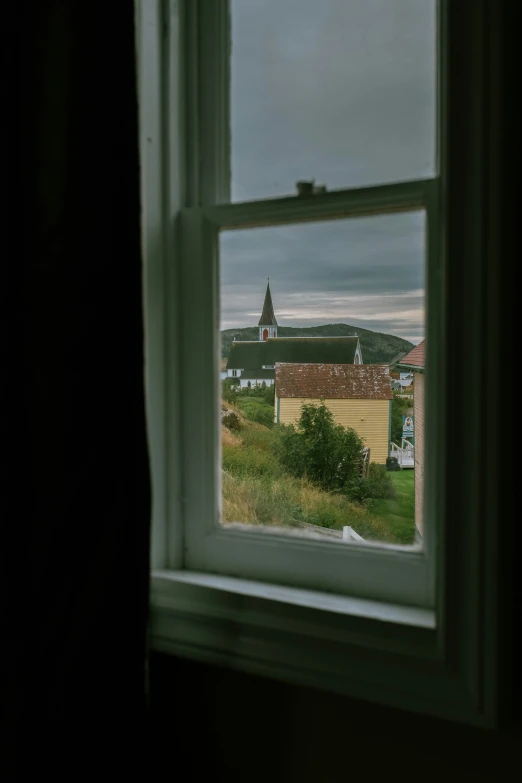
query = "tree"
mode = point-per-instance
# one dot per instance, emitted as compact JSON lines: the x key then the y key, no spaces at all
{"x":269,"y":394}
{"x":228,"y":386}
{"x":321,"y":450}
{"x":400,"y":408}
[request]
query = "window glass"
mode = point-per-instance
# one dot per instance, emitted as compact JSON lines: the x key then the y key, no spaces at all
{"x":340,"y":93}
{"x":320,"y":426}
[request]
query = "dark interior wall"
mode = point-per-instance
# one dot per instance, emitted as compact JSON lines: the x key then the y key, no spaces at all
{"x":77,"y":532}
{"x":238,"y":727}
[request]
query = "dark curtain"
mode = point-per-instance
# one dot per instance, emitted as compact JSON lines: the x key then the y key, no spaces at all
{"x":75,"y":686}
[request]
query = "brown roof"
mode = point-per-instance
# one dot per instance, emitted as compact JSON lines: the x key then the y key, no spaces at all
{"x":415,"y":358}
{"x":334,"y":381}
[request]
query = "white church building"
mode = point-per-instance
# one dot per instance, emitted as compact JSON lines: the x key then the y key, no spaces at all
{"x":253,"y":362}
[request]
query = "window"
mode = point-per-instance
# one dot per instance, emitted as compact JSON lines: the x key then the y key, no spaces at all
{"x":400,"y":627}
{"x":214,"y":214}
{"x":371,"y":274}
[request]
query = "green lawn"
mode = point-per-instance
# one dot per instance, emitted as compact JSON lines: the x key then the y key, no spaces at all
{"x":399,"y":514}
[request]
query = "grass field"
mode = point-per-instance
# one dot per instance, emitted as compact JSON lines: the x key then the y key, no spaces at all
{"x":257,"y":491}
{"x":399,"y":514}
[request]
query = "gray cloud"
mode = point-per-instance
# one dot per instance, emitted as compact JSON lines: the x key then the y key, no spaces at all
{"x":368,"y":271}
{"x":341,"y":91}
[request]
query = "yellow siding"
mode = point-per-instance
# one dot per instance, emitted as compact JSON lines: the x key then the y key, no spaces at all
{"x":369,"y":418}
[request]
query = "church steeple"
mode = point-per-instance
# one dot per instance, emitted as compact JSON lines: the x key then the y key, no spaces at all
{"x":267,"y":322}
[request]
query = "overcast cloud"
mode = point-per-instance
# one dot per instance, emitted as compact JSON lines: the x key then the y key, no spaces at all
{"x":343,"y":92}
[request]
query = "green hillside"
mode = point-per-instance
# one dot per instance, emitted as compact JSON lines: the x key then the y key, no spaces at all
{"x":376,"y":347}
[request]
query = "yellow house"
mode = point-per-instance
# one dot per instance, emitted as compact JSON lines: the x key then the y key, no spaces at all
{"x":359,"y":396}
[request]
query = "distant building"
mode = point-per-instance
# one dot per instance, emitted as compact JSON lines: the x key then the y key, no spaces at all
{"x":414,"y":362}
{"x":253,"y":362}
{"x":267,"y":323}
{"x":359,"y":397}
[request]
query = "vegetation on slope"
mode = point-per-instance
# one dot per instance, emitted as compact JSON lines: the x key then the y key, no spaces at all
{"x":258,"y":490}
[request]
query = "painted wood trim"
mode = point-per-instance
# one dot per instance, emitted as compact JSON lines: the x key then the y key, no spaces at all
{"x":376,"y":652}
{"x":213,"y":58}
{"x":466,"y":609}
{"x":367,"y":569}
{"x":161,"y":138}
{"x":354,"y":202}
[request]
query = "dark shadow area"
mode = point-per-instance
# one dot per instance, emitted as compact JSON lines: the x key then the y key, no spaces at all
{"x":76,"y":523}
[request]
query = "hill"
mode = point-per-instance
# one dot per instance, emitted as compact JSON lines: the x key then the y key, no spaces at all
{"x":376,"y":347}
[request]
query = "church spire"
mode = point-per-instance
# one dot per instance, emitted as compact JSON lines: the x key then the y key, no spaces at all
{"x":267,"y":322}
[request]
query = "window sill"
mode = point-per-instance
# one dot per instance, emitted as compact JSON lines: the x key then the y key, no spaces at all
{"x":379,"y":652}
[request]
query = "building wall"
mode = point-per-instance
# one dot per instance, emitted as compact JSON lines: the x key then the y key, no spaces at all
{"x":369,"y":418}
{"x":418,"y":413}
{"x":259,"y":382}
{"x":309,"y":732}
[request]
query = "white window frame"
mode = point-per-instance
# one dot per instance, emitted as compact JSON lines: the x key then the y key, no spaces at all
{"x":401,"y":628}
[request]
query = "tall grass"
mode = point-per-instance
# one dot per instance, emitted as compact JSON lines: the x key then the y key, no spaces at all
{"x":286,"y":502}
{"x":257,"y":490}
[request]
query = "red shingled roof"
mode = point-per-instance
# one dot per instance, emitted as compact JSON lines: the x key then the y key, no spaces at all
{"x":415,"y":358}
{"x":334,"y":381}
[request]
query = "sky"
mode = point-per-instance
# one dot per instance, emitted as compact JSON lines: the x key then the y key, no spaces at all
{"x":341,"y":92}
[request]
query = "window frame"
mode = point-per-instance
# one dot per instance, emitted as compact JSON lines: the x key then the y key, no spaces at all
{"x":436,"y":658}
{"x":371,"y":571}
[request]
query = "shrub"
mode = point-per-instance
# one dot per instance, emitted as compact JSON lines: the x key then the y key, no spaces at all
{"x":229,"y":438}
{"x":378,"y":485}
{"x":400,"y":407}
{"x":320,"y":450}
{"x":381,"y":482}
{"x":231,"y":420}
{"x":358,"y":490}
{"x":228,"y":389}
{"x":269,"y":395}
{"x":257,"y":411}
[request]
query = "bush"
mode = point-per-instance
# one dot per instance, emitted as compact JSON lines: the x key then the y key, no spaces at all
{"x":382,"y":486}
{"x":399,"y":409}
{"x":231,"y":420}
{"x":269,"y":394}
{"x":378,"y":485}
{"x":257,"y":411}
{"x":249,"y":391}
{"x":320,"y":450}
{"x":228,"y":388}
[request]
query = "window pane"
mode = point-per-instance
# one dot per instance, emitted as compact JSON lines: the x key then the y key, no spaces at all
{"x":341,"y":92}
{"x":343,"y":303}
